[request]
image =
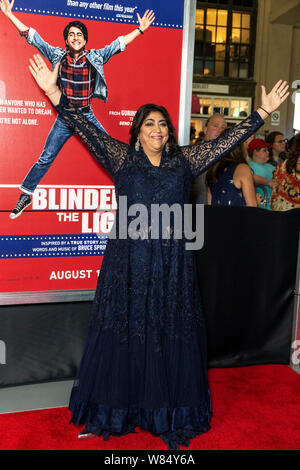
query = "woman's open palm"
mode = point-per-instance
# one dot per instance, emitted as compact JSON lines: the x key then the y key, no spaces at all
{"x":276,"y":97}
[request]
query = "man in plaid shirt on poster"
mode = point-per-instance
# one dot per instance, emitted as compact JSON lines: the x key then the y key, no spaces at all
{"x":81,"y":77}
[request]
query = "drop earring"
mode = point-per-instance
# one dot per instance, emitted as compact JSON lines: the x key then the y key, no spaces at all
{"x":167,"y":147}
{"x":137,"y":145}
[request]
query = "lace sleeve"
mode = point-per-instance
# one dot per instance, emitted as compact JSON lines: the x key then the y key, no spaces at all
{"x":202,"y":156}
{"x":110,"y":153}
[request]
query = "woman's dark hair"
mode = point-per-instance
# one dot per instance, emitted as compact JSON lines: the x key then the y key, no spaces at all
{"x":293,"y":155}
{"x":79,"y":25}
{"x":213,"y":174}
{"x":140,"y":117}
{"x":270,"y":139}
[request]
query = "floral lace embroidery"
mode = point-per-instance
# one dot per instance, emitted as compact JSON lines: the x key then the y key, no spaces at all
{"x":205,"y":154}
{"x":149,"y":286}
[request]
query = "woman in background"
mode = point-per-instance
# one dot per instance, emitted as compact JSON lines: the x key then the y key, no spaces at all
{"x":286,"y":181}
{"x":230,"y":182}
{"x":277,"y":148}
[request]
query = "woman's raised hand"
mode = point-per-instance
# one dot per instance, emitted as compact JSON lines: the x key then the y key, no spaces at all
{"x":45,"y":78}
{"x":276,"y":97}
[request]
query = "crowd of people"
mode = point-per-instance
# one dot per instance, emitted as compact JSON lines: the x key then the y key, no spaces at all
{"x":262,"y":172}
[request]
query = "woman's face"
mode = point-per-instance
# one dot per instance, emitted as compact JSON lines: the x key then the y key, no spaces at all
{"x":279,"y":144}
{"x":154,"y":133}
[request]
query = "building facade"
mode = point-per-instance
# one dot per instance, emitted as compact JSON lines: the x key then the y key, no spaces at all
{"x":240,"y":45}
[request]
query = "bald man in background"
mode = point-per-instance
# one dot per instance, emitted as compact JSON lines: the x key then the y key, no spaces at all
{"x":214,"y":127}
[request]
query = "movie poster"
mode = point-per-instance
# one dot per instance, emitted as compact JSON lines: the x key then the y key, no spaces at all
{"x":58,"y":242}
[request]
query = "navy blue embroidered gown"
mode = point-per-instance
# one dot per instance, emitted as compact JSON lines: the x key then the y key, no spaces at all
{"x":144,"y":362}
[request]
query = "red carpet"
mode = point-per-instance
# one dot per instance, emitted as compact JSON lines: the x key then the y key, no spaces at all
{"x":255,"y":408}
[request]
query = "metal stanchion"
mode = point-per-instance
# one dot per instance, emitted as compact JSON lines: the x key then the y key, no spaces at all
{"x":295,"y":346}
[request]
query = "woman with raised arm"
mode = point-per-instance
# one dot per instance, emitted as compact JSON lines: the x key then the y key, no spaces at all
{"x":144,"y":362}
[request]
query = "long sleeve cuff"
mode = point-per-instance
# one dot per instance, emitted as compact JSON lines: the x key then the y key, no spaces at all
{"x":24,"y":34}
{"x":122,"y":43}
{"x":258,"y":117}
{"x":28,"y":34}
{"x":63,"y":103}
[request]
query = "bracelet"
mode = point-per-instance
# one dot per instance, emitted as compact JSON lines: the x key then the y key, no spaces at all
{"x":52,"y":92}
{"x":265,"y":111}
{"x":139,"y":29}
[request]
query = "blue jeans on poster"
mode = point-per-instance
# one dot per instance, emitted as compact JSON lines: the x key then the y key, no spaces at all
{"x":56,"y":139}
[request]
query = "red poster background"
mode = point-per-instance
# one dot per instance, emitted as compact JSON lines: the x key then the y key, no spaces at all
{"x":148,"y":71}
